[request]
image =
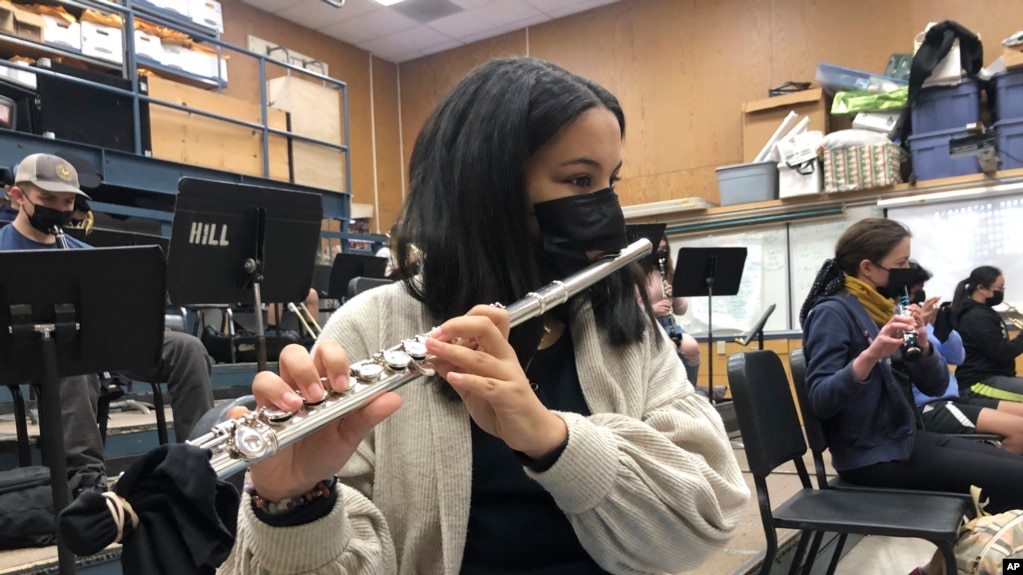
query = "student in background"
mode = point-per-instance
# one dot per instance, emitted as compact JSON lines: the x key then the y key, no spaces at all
{"x":569,"y":444}
{"x":950,"y":413}
{"x":989,"y":369}
{"x":859,"y":384}
{"x":666,"y":308}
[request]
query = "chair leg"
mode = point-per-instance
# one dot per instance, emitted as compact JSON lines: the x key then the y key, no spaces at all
{"x":797,"y":558}
{"x":811,"y":555}
{"x":839,"y":545}
{"x":21,"y":424}
{"x":161,"y":417}
{"x":949,"y":554}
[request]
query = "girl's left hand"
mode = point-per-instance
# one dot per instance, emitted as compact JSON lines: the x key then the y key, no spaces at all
{"x":473,"y":354}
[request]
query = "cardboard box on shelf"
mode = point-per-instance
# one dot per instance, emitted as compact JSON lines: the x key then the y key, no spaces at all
{"x":1013,"y":56}
{"x":760,"y":118}
{"x":102,"y":42}
{"x":27,"y":25}
{"x":148,"y":46}
{"x":7,"y":16}
{"x":61,"y":33}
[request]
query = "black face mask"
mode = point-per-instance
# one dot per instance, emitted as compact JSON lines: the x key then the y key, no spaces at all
{"x":899,"y":280}
{"x":919,"y":298}
{"x":997,"y":298}
{"x":45,"y":219}
{"x":571,"y":226}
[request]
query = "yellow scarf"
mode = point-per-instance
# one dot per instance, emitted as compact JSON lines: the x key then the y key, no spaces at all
{"x":879,"y":308}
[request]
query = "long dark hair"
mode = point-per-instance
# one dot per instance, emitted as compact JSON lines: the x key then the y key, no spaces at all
{"x":868,"y":239}
{"x":467,"y":207}
{"x":982,"y":276}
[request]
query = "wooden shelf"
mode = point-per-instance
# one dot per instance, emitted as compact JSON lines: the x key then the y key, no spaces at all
{"x":838,"y":198}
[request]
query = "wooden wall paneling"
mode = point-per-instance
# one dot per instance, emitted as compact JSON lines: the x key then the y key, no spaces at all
{"x":779,"y":346}
{"x":682,"y":104}
{"x":192,"y":139}
{"x":692,"y":182}
{"x":425,"y":81}
{"x":347,"y":63}
{"x":859,"y":35}
{"x":315,"y":112}
{"x":387,"y":134}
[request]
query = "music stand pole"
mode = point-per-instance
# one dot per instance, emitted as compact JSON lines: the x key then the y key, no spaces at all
{"x":255,"y":269}
{"x":711,"y":272}
{"x":51,"y":434}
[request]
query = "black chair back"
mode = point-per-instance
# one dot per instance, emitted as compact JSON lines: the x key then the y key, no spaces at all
{"x":765,"y":410}
{"x":360,"y":284}
{"x":811,"y":424}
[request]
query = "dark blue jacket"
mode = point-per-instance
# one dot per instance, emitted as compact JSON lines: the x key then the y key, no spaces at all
{"x":866,"y":422}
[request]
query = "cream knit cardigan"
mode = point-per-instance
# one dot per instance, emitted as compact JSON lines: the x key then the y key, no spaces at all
{"x":648,"y":482}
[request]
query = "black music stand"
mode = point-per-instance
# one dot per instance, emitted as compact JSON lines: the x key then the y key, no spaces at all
{"x":708,"y":272}
{"x":228,"y":240}
{"x":652,"y":232}
{"x":108,"y":238}
{"x":350,"y":266}
{"x":58,"y":319}
{"x":757,"y":330}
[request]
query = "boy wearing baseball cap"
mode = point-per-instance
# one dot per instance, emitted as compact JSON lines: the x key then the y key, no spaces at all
{"x":45,"y":187}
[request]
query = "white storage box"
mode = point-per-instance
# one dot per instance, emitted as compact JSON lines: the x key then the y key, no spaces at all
{"x":148,"y":46}
{"x":102,"y":42}
{"x":207,"y":13}
{"x":206,"y":65}
{"x":799,"y":172}
{"x":24,"y":77}
{"x":883,"y":122}
{"x":179,"y":7}
{"x":177,"y":56}
{"x":58,"y":32}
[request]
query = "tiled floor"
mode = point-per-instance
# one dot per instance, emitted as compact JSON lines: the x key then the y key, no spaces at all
{"x":872,"y":556}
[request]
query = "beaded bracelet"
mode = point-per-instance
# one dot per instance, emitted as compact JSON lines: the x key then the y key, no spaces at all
{"x":322,"y":489}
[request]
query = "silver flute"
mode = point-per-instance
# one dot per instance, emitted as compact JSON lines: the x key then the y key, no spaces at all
{"x":237,"y":443}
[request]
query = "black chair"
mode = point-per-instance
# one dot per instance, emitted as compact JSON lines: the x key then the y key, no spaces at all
{"x":772,"y":436}
{"x":360,"y":284}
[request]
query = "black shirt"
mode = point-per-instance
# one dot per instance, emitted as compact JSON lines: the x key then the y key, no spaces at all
{"x":514,"y":524}
{"x":989,"y":351}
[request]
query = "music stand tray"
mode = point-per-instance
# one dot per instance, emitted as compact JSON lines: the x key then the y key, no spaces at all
{"x":757,"y":330}
{"x":232,"y":242}
{"x":349,"y":266}
{"x":708,"y":272}
{"x":74,"y":312}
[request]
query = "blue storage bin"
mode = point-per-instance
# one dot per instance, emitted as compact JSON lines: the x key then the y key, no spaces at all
{"x":931,"y":159}
{"x":743,"y":183}
{"x":1010,"y":143}
{"x":1007,"y":95}
{"x":947,"y":107}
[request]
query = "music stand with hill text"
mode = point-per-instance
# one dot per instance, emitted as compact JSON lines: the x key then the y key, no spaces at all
{"x":707,"y":272}
{"x":62,"y":313}
{"x":231,"y":242}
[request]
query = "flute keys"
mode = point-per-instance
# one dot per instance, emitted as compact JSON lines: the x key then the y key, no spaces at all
{"x":397,"y":360}
{"x":367,"y":371}
{"x":255,"y":442}
{"x":276,"y":416}
{"x":415,"y":348}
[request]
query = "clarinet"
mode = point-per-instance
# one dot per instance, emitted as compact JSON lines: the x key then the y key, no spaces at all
{"x":673,"y":331}
{"x":58,"y":232}
{"x":237,"y":443}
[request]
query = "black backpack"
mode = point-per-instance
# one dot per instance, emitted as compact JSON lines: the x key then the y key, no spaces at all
{"x":26,"y":508}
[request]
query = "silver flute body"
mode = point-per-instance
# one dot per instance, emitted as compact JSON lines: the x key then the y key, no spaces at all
{"x":237,"y":443}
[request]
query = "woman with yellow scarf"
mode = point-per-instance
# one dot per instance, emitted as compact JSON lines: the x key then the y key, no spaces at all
{"x":858,"y":380}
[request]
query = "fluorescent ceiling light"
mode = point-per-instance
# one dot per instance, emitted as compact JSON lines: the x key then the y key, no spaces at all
{"x":386,"y":2}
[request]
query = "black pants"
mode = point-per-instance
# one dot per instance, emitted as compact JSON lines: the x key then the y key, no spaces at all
{"x":942,"y":463}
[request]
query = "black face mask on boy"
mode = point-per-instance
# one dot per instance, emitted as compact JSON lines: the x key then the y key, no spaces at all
{"x":571,"y":226}
{"x":45,"y":219}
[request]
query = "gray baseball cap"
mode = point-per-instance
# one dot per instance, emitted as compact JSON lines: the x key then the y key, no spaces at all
{"x":50,"y":173}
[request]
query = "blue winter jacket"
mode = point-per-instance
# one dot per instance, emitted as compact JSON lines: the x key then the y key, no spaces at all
{"x":866,"y":422}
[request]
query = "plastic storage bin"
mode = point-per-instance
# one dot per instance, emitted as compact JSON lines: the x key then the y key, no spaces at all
{"x":1007,"y":95}
{"x":1010,"y":143}
{"x":931,"y":158}
{"x":947,"y":107}
{"x":837,"y":78}
{"x":743,"y":183}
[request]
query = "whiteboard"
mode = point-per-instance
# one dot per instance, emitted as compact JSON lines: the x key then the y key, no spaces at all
{"x":764,"y":281}
{"x":811,"y":243}
{"x":952,"y":238}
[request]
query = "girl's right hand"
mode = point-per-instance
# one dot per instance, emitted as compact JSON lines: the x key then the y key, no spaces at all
{"x":889,"y":338}
{"x":318,"y":456}
{"x":662,"y":308}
